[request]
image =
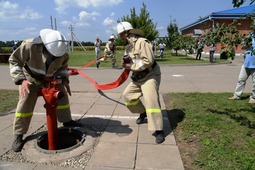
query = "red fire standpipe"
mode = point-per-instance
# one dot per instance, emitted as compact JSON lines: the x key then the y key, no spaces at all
{"x":50,"y":94}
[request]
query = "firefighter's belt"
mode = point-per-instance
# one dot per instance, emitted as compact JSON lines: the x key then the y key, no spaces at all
{"x":141,"y":74}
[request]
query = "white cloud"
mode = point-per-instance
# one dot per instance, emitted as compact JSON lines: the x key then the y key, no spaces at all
{"x":29,"y":30}
{"x":29,"y":14}
{"x":108,"y":21}
{"x":95,"y":13}
{"x":12,"y":11}
{"x":20,"y":34}
{"x":112,"y":14}
{"x":103,"y":3}
{"x":8,"y":8}
{"x":62,"y":5}
{"x":83,"y":3}
{"x":84,"y":19}
{"x":66,"y":23}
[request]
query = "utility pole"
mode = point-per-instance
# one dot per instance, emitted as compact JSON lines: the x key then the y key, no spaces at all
{"x":51,"y":26}
{"x":55,"y":23}
{"x":51,"y":23}
{"x":71,"y":37}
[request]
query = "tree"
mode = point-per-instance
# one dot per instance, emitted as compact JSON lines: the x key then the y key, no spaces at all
{"x":238,"y":3}
{"x":143,"y":22}
{"x":188,"y":44}
{"x":173,"y":34}
{"x":226,"y":35}
{"x":177,"y":44}
{"x":176,"y":41}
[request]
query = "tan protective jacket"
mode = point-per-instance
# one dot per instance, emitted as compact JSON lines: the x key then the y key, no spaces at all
{"x":109,"y":47}
{"x":35,"y":55}
{"x":140,"y":51}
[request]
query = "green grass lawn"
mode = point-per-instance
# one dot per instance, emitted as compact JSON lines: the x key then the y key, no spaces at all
{"x":80,"y":58}
{"x":213,"y":132}
{"x":9,"y":99}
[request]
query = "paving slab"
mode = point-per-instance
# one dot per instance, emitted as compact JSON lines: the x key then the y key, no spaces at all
{"x":120,"y":134}
{"x":114,"y":154}
{"x":16,"y":166}
{"x":152,"y":156}
{"x":49,"y":167}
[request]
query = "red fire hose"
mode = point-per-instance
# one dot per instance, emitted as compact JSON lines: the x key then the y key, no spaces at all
{"x":121,"y":79}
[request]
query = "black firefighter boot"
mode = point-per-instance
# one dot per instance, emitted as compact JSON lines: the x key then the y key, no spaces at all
{"x":18,"y":143}
{"x":160,"y":136}
{"x":97,"y":63}
{"x":141,"y":118}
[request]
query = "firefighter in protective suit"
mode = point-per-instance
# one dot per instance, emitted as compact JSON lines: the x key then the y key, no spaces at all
{"x":145,"y":77}
{"x":109,"y":51}
{"x":31,"y":64}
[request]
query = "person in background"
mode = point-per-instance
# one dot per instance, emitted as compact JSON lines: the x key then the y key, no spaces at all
{"x":161,"y":49}
{"x":211,"y":53}
{"x":97,"y":51}
{"x":145,"y":77}
{"x":109,"y":51}
{"x":34,"y":63}
{"x":14,"y":47}
{"x":247,"y":69}
{"x":200,"y":47}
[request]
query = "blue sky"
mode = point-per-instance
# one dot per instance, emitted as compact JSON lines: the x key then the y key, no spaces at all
{"x":22,"y":19}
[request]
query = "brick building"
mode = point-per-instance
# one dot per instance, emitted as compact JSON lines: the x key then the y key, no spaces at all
{"x":201,"y":26}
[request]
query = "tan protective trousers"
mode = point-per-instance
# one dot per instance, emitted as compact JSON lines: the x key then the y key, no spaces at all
{"x":26,"y":105}
{"x":149,"y":90}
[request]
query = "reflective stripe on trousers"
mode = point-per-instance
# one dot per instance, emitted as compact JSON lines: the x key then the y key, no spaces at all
{"x":149,"y":91}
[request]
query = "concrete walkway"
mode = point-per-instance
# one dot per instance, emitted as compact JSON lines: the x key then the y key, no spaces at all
{"x":123,"y":144}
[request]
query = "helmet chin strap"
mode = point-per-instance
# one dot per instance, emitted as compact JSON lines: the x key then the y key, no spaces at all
{"x":124,"y":29}
{"x":123,"y":26}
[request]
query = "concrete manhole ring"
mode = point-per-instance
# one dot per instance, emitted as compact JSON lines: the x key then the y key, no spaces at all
{"x":40,"y":155}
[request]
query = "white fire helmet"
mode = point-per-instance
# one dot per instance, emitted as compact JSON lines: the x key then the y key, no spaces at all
{"x":111,"y":37}
{"x":54,"y":41}
{"x":124,"y":26}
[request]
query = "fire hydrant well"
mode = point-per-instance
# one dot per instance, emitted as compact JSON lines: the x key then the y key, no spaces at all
{"x":68,"y":139}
